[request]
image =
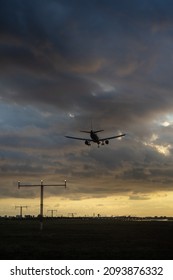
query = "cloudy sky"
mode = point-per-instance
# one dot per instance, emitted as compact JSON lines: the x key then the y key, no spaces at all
{"x":66,"y":63}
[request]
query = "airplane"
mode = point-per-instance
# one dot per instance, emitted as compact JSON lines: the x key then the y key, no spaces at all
{"x":94,"y":137}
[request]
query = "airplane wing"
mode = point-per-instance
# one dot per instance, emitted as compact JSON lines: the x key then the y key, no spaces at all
{"x":77,"y":138}
{"x":112,"y":137}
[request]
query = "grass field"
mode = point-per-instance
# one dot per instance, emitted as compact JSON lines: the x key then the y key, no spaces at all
{"x":68,"y":239}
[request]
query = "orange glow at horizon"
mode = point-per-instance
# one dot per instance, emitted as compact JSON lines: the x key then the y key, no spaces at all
{"x":158,"y":204}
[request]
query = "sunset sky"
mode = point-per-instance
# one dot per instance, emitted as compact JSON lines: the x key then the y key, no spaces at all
{"x":66,"y":63}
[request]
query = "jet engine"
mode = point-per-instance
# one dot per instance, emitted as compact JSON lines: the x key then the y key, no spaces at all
{"x":107,"y":142}
{"x":87,"y":143}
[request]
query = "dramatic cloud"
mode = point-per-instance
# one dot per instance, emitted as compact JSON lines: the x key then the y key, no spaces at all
{"x":67,"y":63}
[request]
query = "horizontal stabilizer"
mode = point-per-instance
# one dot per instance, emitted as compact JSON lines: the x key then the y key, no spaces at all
{"x":85,"y":131}
{"x":98,"y":131}
{"x":94,"y":131}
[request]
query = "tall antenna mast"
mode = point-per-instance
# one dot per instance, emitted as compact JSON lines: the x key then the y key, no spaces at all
{"x":41,"y":195}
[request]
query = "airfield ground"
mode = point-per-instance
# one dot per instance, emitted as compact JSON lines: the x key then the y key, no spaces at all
{"x":85,"y":239}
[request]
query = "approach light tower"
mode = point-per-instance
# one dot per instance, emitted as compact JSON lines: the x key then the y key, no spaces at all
{"x":52,"y":211}
{"x":41,"y":195}
{"x":72,"y":214}
{"x":21,"y":208}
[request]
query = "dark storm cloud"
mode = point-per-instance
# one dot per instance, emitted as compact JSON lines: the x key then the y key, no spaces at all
{"x":64,"y":63}
{"x":59,"y":52}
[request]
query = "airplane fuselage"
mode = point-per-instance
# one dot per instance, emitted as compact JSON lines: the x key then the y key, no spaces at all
{"x":94,"y":137}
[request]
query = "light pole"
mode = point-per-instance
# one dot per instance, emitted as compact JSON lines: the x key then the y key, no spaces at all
{"x":41,"y":185}
{"x":52,"y":211}
{"x":72,"y":214}
{"x":21,"y":207}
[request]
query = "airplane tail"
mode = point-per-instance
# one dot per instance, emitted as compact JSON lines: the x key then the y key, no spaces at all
{"x":89,"y":131}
